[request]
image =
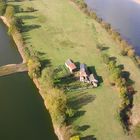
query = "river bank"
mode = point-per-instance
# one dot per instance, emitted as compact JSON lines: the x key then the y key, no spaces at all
{"x":21,"y":48}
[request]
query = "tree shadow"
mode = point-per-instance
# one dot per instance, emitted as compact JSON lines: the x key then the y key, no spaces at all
{"x":45,"y":63}
{"x":112,"y":58}
{"x":17,"y":8}
{"x":93,"y":70}
{"x":77,"y":65}
{"x":27,"y":28}
{"x":24,"y":17}
{"x":121,"y":67}
{"x":102,"y":47}
{"x":126,"y":76}
{"x":77,"y":115}
{"x":66,"y":80}
{"x":90,"y":137}
{"x":26,"y":37}
{"x":81,"y":100}
{"x":83,"y":128}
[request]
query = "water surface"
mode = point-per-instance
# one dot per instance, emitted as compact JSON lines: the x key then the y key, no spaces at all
{"x":123,"y":15}
{"x":23,"y":115}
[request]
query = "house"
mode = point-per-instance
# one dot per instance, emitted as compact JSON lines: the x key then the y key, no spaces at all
{"x":93,"y":81}
{"x":83,"y":73}
{"x":70,"y":65}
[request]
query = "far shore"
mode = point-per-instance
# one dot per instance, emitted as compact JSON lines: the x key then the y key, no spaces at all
{"x":137,"y":1}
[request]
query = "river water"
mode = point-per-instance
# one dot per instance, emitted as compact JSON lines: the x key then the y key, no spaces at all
{"x":23,"y":115}
{"x":123,"y":15}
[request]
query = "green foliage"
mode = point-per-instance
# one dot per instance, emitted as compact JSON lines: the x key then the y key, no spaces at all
{"x":9,"y":13}
{"x":75,"y":138}
{"x":70,"y":112}
{"x":34,"y":67}
{"x":56,"y":102}
{"x":55,"y":98}
{"x":105,"y":58}
{"x":2,"y":7}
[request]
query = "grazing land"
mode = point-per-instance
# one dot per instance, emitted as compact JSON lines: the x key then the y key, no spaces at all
{"x":58,"y":30}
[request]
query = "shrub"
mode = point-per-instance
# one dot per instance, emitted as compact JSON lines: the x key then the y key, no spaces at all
{"x":75,"y":138}
{"x":105,"y":58}
{"x":9,"y":14}
{"x":112,"y":65}
{"x":56,"y":103}
{"x":70,"y":112}
{"x":34,"y":67}
{"x":131,"y":53}
{"x":2,"y":7}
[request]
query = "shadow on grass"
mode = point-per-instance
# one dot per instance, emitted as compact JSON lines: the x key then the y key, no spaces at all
{"x":90,"y":137}
{"x":81,"y":100}
{"x":66,"y":80}
{"x":126,"y":76}
{"x":24,"y":17}
{"x":93,"y":70}
{"x":45,"y":63}
{"x":83,"y":128}
{"x":27,"y":28}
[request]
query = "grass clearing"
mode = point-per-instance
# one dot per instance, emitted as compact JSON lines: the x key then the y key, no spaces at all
{"x":59,"y":30}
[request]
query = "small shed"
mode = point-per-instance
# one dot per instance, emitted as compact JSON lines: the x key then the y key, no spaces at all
{"x":93,"y":80}
{"x":70,"y":65}
{"x":83,"y":73}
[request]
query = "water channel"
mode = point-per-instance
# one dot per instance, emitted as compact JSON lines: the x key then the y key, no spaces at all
{"x":23,"y":115}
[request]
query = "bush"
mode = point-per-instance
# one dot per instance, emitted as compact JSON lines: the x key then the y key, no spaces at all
{"x":70,"y":112}
{"x":75,"y":138}
{"x":2,"y":7}
{"x":56,"y":103}
{"x":34,"y":67}
{"x":131,"y":53}
{"x":105,"y":58}
{"x":9,"y":14}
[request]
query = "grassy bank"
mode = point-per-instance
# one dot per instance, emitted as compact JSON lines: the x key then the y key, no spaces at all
{"x":58,"y":30}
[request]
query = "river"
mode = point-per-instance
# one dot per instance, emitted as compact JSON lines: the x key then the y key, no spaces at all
{"x":23,"y":115}
{"x":123,"y":15}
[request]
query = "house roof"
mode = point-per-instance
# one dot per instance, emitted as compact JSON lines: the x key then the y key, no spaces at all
{"x":83,"y":70}
{"x":70,"y":64}
{"x":83,"y":67}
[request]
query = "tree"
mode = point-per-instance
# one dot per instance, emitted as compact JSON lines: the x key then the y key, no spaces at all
{"x":34,"y":67}
{"x":105,"y":58}
{"x":56,"y":102}
{"x":75,"y":138}
{"x":9,"y":14}
{"x":131,"y":53}
{"x":112,"y":65}
{"x":2,"y":7}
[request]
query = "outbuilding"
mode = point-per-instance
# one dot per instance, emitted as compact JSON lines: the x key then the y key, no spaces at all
{"x":70,"y":65}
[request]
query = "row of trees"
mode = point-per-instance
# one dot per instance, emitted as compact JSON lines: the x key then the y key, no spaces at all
{"x":121,"y":81}
{"x":125,"y":48}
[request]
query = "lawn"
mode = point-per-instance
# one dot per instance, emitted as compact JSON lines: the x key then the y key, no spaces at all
{"x":58,"y":30}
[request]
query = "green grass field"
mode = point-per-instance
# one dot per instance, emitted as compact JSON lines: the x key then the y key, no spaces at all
{"x":58,"y":30}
